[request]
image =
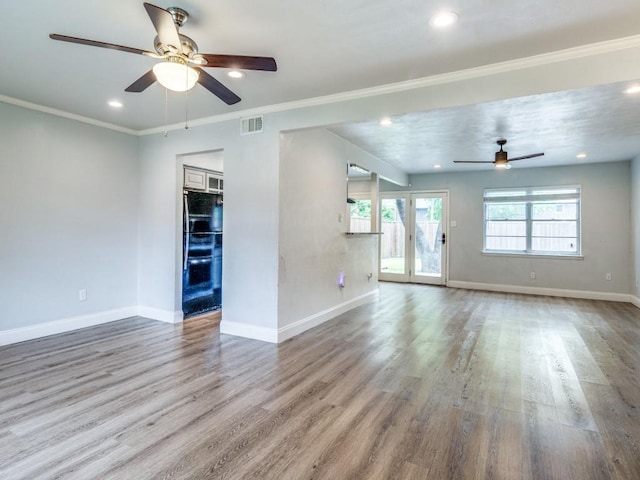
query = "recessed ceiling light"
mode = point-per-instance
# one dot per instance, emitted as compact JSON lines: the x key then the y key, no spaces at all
{"x":443,"y":19}
{"x":437,"y":165}
{"x":385,"y":122}
{"x":235,"y":74}
{"x":633,"y":89}
{"x":115,"y":104}
{"x":581,"y":155}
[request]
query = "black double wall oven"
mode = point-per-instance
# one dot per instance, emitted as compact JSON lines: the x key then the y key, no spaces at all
{"x":202,"y":253}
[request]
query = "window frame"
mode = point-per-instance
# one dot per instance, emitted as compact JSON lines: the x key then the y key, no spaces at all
{"x":530,"y":196}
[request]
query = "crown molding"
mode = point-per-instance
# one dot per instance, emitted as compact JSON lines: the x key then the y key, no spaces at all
{"x":70,"y":116}
{"x":440,"y":79}
{"x":573,"y":53}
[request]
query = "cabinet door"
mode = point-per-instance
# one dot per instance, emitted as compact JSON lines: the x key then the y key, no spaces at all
{"x":195,"y":179}
{"x":214,"y":181}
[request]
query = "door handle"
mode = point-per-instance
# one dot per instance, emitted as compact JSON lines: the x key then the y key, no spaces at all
{"x":444,"y":238}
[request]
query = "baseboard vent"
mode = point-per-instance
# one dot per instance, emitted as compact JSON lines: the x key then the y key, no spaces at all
{"x":251,"y":125}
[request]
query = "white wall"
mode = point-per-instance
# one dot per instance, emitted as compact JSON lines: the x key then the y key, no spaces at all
{"x":606,"y":199}
{"x":635,"y":229}
{"x":313,"y":247}
{"x":212,"y":160}
{"x":250,"y":256}
{"x":69,"y":219}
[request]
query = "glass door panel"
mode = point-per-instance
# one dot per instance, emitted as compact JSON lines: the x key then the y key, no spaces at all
{"x":413,"y":245}
{"x":429,"y":238}
{"x":393,"y":241}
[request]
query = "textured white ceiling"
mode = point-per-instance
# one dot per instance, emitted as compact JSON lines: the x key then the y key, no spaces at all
{"x":322,"y":47}
{"x":602,"y":122}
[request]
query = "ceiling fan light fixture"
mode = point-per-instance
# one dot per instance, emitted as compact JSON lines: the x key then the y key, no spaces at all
{"x":175,"y":75}
{"x":504,"y":166}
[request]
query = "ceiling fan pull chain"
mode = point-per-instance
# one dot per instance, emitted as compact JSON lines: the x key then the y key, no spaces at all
{"x":186,"y":105}
{"x":166,"y":101}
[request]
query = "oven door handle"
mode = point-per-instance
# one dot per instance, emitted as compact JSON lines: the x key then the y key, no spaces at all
{"x":186,"y":232}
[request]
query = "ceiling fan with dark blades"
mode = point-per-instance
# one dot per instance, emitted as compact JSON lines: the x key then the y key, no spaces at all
{"x":181,"y":65}
{"x":501,"y":159}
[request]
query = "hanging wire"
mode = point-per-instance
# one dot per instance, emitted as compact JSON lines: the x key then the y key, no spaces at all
{"x":166,"y":108}
{"x":186,"y":100}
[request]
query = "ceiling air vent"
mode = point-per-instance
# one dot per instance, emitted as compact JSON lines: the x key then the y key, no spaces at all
{"x":251,"y":125}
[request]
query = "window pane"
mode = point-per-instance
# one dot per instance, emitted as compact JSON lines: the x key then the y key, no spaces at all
{"x":506,"y":243}
{"x":554,"y":229}
{"x":506,"y":211}
{"x":543,"y":244}
{"x":360,"y":212}
{"x":554,"y":211}
{"x":506,"y":229}
{"x":392,"y":255}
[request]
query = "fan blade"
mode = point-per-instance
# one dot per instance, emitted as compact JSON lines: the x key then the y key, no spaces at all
{"x":215,"y":87}
{"x":526,"y":156}
{"x":95,"y":43}
{"x":142,"y":83}
{"x":469,"y":161}
{"x":241,"y":62}
{"x":163,"y":23}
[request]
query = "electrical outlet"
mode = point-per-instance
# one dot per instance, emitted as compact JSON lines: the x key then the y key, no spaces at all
{"x":608,"y":276}
{"x":532,"y":275}
{"x":82,"y":294}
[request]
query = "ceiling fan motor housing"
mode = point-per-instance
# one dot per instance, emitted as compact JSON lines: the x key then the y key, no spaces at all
{"x":501,"y":155}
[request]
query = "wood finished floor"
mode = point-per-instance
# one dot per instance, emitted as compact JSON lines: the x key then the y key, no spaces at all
{"x":426,"y":383}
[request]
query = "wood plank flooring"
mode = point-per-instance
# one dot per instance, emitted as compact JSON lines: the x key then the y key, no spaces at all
{"x":425,"y":383}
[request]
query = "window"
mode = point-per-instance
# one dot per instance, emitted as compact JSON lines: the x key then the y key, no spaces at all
{"x":360,"y":215}
{"x":537,"y":221}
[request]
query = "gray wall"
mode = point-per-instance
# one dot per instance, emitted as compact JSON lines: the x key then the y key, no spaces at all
{"x":635,"y":227}
{"x":313,"y":247}
{"x":69,"y":218}
{"x":606,"y":234}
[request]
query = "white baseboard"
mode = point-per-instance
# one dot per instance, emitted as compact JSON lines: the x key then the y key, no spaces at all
{"x":39,"y":330}
{"x":246,"y":330}
{"x":635,"y":300}
{"x":550,"y":292}
{"x":319,"y":318}
{"x":279,"y":335}
{"x":166,"y":316}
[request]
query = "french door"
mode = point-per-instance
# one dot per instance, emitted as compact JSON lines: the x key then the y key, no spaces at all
{"x":413,"y":247}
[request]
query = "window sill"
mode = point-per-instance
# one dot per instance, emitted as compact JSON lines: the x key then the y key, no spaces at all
{"x":558,"y":256}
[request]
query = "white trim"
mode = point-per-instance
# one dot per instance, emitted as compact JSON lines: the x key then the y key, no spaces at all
{"x":246,"y":330}
{"x":39,"y":330}
{"x":279,"y":335}
{"x":165,"y":316}
{"x":550,"y":292}
{"x":460,"y":75}
{"x":634,"y":300}
{"x":319,"y":318}
{"x":62,"y":113}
